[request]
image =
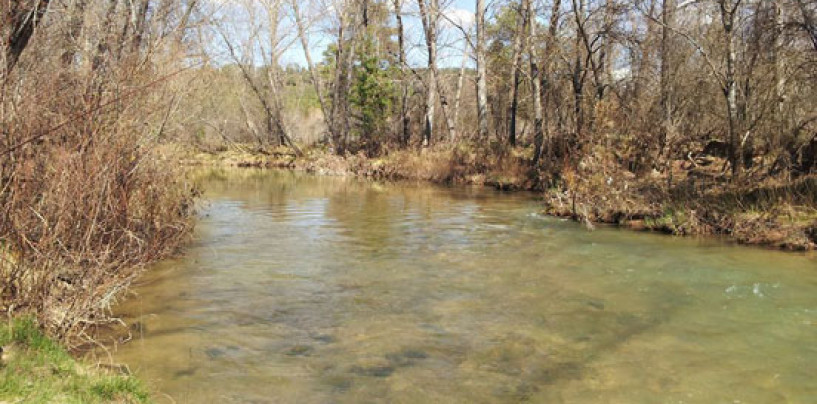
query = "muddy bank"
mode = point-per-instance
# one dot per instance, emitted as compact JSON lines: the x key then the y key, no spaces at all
{"x":683,"y":202}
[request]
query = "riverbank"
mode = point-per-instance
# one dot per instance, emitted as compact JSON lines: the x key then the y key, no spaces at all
{"x":81,"y":222}
{"x":34,"y":368}
{"x":683,"y":201}
{"x":77,"y":234}
{"x":770,"y":213}
{"x":459,"y":165}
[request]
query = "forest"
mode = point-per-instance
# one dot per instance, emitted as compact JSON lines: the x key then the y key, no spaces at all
{"x":687,"y":116}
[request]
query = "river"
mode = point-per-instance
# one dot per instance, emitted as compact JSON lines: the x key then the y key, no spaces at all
{"x":311,"y":289}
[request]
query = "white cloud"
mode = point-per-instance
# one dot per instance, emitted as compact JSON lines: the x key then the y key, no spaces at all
{"x":458,"y":17}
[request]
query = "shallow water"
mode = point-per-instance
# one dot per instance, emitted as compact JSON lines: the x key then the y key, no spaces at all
{"x":320,"y":290}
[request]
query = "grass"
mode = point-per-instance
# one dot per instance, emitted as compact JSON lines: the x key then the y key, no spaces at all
{"x":36,"y":369}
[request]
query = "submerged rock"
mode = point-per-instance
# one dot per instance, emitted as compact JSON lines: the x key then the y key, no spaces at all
{"x":338,"y":383}
{"x":324,"y":338}
{"x":214,"y":353}
{"x":299,"y":350}
{"x":406,"y":357}
{"x":414,"y":354}
{"x":596,"y":304}
{"x":186,"y":372}
{"x":373,"y":367}
{"x":374,"y":371}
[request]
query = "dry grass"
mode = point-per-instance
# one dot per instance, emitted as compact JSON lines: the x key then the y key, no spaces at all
{"x":446,"y":164}
{"x":85,"y":201}
{"x":753,"y":210}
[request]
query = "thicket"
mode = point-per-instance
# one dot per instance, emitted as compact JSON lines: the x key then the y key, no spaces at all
{"x":86,"y":200}
{"x":698,"y":103}
{"x":703,"y":82}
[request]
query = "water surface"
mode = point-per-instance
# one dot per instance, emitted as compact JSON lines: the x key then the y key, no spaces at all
{"x":333,"y":290}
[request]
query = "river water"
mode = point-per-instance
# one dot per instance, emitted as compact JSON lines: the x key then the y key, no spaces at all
{"x":334,"y":290}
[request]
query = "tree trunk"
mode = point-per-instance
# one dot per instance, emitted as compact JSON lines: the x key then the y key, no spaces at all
{"x":535,"y":84}
{"x":273,"y":119}
{"x":405,"y":121}
{"x":73,"y":32}
{"x":429,"y":20}
{"x":102,"y":45}
{"x":667,"y":48}
{"x":545,"y":92}
{"x":779,"y":80}
{"x":578,"y":68}
{"x":591,"y":63}
{"x":482,"y":80}
{"x":21,"y":20}
{"x":184,"y":21}
{"x":728,"y":11}
{"x":140,"y":25}
{"x":458,"y":92}
{"x":809,"y":22}
{"x":344,"y":60}
{"x":517,"y":60}
{"x":273,"y":74}
{"x":578,"y":95}
{"x":334,"y":137}
{"x":603,"y":72}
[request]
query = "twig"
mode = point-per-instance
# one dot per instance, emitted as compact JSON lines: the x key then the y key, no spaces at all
{"x":98,"y":108}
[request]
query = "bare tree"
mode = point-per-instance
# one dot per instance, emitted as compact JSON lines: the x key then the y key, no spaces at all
{"x":269,"y":95}
{"x":579,"y":70}
{"x":482,"y":74}
{"x":405,"y":119}
{"x":535,"y":82}
{"x":728,"y":12}
{"x":552,"y":52}
{"x":458,"y":91}
{"x":808,"y":20}
{"x":348,"y":20}
{"x":317,"y":83}
{"x":429,"y":16}
{"x":518,"y":45}
{"x":19,"y":20}
{"x":667,"y":64}
{"x":76,"y":19}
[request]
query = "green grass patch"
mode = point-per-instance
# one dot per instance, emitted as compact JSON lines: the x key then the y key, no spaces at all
{"x":35,"y":369}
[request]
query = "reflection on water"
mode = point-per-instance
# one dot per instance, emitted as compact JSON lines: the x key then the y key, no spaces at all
{"x":314,"y":289}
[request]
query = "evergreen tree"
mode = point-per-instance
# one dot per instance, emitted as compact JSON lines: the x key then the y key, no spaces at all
{"x":372,"y":96}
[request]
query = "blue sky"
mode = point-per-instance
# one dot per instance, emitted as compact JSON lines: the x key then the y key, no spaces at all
{"x":450,"y":41}
{"x":238,"y":27}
